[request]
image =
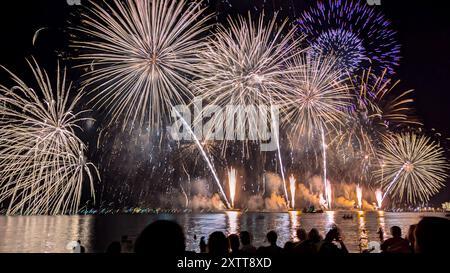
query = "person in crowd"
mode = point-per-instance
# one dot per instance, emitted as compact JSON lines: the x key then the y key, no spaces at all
{"x":233,"y":240}
{"x":302,"y":235}
{"x":410,"y":237}
{"x":380,"y":233}
{"x":246,"y":241}
{"x":289,"y":248}
{"x":329,"y":245}
{"x":432,"y":236}
{"x":80,"y":248}
{"x":310,"y":245}
{"x":396,"y":244}
{"x":126,"y":244}
{"x":273,"y":249}
{"x":114,"y":248}
{"x":203,"y":246}
{"x":218,"y":244}
{"x":363,"y":241}
{"x":161,"y":238}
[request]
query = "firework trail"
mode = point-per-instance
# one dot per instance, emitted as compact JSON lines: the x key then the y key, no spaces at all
{"x":293,"y":185}
{"x":42,"y":161}
{"x":379,"y":197}
{"x":415,"y":167}
{"x":205,"y":157}
{"x":355,"y":33}
{"x":232,"y":175}
{"x":359,"y":195}
{"x":141,"y":57}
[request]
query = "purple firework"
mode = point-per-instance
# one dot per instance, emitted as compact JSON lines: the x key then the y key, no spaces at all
{"x":356,"y":34}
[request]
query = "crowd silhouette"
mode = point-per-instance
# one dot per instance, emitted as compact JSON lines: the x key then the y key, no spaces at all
{"x":166,"y":238}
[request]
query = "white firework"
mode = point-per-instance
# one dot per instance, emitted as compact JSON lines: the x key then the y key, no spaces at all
{"x":244,"y":63}
{"x":42,"y":161}
{"x":318,"y":99}
{"x":141,"y":56}
{"x":415,"y":168}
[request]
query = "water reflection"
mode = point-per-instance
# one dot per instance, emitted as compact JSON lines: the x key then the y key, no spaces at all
{"x":51,"y":234}
{"x":47,"y":234}
{"x":294,"y":224}
{"x":331,"y":219}
{"x":232,"y":221}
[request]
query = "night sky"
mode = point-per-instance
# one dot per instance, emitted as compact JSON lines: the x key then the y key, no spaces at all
{"x":423,"y":30}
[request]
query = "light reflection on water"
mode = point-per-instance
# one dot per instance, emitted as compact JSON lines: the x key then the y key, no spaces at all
{"x":50,"y":234}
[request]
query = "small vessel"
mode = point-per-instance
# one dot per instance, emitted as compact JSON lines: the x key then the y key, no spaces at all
{"x":312,"y":209}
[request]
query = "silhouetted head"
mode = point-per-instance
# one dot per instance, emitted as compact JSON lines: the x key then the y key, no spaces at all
{"x":246,"y":238}
{"x":289,"y":247}
{"x":396,"y":232}
{"x":114,"y":248}
{"x":217,"y":244}
{"x":272,"y":237}
{"x":332,"y":235}
{"x":233,"y":240}
{"x":301,"y":234}
{"x":314,"y":235}
{"x":203,"y":246}
{"x":432,"y":235}
{"x":79,"y":242}
{"x":410,"y":236}
{"x":161,"y":238}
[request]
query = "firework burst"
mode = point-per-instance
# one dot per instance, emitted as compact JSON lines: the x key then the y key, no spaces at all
{"x":141,"y":57}
{"x":245,"y":64}
{"x":415,"y":168}
{"x":375,"y":112}
{"x":42,"y":161}
{"x":352,"y":31}
{"x":317,"y":99}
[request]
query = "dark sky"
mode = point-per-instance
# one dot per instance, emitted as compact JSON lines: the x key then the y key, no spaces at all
{"x":423,"y":30}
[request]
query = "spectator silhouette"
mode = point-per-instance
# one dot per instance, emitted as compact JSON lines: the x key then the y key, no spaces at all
{"x":114,"y":248}
{"x":246,"y":240}
{"x":432,"y":235}
{"x":289,"y":248}
{"x":273,"y":249}
{"x":217,"y":244}
{"x":380,"y":233}
{"x":301,"y":235}
{"x":328,"y":246}
{"x":410,"y":237}
{"x":203,"y":245}
{"x":310,"y":245}
{"x":396,"y":244}
{"x":233,"y":240}
{"x":161,"y":238}
{"x":82,"y":248}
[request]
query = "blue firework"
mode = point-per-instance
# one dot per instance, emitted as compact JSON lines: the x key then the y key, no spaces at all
{"x":356,"y":34}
